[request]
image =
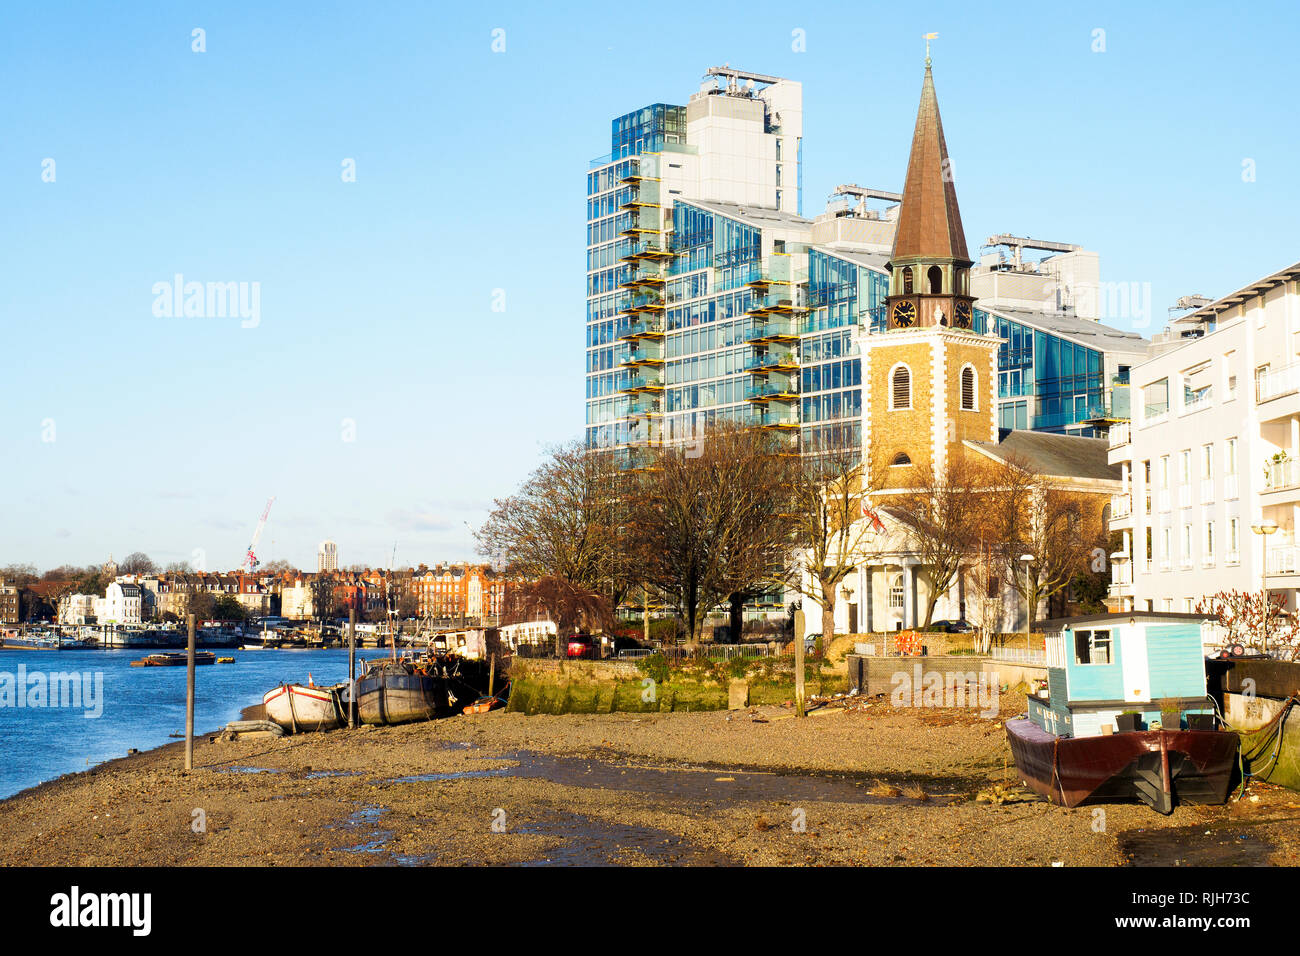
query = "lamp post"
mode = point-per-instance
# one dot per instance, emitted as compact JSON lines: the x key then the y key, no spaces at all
{"x":1119,"y":559}
{"x":1264,"y":529}
{"x":846,"y":592}
{"x":1026,"y":559}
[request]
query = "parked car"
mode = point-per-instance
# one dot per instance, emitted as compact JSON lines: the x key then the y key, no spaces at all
{"x":581,"y":646}
{"x":951,"y":627}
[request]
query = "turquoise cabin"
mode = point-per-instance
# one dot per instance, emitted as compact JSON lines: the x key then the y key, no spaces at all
{"x":1103,"y":665}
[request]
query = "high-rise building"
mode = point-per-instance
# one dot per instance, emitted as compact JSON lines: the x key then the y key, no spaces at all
{"x":327,"y":556}
{"x":711,"y":297}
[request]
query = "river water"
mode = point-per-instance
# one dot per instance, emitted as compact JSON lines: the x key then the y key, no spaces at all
{"x":139,"y":707}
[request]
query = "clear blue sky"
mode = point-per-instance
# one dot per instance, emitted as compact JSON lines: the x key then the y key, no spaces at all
{"x":376,"y":296}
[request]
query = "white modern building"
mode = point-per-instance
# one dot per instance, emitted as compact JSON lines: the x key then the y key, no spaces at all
{"x":1211,"y":485}
{"x":327,"y":556}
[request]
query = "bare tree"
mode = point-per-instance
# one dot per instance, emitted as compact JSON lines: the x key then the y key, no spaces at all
{"x":566,"y":522}
{"x":713,"y":524}
{"x":940,"y":508}
{"x":835,"y":528}
{"x":1031,"y":516}
{"x":137,"y":562}
{"x":572,"y":607}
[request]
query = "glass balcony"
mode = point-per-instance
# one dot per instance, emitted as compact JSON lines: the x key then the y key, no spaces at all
{"x":644,"y":355}
{"x":780,"y":331}
{"x":1282,"y":474}
{"x":643,"y":406}
{"x":772,"y":392}
{"x":647,"y":249}
{"x":1277,"y":382}
{"x":647,"y":274}
{"x":646,"y":300}
{"x":645,"y":381}
{"x":774,"y":418}
{"x":1119,"y":435}
{"x":646,"y":326}
{"x":772,"y":360}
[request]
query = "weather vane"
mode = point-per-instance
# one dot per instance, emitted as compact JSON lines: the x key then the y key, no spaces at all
{"x":928,"y":38}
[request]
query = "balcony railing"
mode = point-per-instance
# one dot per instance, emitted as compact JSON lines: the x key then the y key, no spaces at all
{"x":1277,"y":382}
{"x":644,"y":326}
{"x":1282,"y":474}
{"x":772,"y":391}
{"x":1154,"y":413}
{"x":771,"y":359}
{"x":1281,"y":560}
{"x":1121,"y":506}
{"x":772,"y":331}
{"x":1119,"y":435}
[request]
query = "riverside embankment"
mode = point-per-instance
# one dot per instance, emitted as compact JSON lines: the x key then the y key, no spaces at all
{"x":872,"y":786}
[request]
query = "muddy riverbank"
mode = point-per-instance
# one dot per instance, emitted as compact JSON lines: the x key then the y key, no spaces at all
{"x":876,"y":786}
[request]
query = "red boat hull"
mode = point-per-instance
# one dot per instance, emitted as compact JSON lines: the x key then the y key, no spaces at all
{"x":1156,"y":767}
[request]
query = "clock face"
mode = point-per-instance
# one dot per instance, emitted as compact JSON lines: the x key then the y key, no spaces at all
{"x":962,"y":317}
{"x":904,"y":315}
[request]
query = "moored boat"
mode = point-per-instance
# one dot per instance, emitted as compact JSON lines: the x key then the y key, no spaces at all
{"x":1110,"y":726}
{"x":175,"y":659}
{"x":299,"y":707}
{"x":397,"y":692}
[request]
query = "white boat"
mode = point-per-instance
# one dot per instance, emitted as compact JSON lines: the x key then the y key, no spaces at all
{"x":298,"y":707}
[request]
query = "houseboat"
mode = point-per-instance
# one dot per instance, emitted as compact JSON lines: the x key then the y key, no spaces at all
{"x":1125,"y":715}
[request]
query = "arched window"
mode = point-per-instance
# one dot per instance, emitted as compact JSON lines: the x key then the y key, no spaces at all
{"x":968,"y":386}
{"x":900,"y":387}
{"x":896,"y":592}
{"x":907,"y":281}
{"x":936,"y":280}
{"x":901,"y":459}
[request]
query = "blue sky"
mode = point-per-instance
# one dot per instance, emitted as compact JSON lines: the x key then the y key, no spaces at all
{"x":169,"y":433}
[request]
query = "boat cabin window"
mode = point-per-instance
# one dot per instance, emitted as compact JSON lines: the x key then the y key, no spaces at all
{"x":1092,"y":647}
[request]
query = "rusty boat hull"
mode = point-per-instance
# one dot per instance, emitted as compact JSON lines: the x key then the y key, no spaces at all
{"x":1160,"y":768}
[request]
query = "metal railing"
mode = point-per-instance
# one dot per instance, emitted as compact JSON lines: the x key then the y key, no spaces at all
{"x":1019,"y":655}
{"x":1282,"y":474}
{"x":1119,"y":435}
{"x":1281,"y":560}
{"x":1277,"y":382}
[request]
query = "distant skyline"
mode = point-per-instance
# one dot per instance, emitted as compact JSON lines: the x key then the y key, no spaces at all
{"x":377,"y":392}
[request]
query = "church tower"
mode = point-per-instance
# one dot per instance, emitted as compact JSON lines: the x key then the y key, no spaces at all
{"x":932,"y":376}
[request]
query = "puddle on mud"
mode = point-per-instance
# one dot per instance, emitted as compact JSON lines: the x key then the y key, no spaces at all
{"x":589,"y":842}
{"x":314,"y":774}
{"x":246,"y":770}
{"x":723,"y":784}
{"x":451,"y":775}
{"x":368,"y":817}
{"x":1191,"y":846}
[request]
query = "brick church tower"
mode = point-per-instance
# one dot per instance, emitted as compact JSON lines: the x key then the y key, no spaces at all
{"x":931,"y":376}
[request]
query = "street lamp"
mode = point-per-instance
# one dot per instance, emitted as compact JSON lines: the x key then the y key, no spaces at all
{"x":1264,"y":529}
{"x":846,"y":592}
{"x":1026,"y":559}
{"x":1119,"y":559}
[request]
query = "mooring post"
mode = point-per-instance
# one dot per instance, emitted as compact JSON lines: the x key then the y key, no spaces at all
{"x":492,"y":672}
{"x":352,"y":668}
{"x":189,"y":695}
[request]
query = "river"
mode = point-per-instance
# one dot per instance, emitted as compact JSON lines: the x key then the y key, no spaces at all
{"x":138,"y":707}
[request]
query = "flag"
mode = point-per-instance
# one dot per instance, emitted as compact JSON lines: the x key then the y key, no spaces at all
{"x":932,"y":36}
{"x":870,"y":514}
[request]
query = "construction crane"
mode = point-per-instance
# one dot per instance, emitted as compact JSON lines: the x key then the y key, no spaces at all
{"x":250,"y":559}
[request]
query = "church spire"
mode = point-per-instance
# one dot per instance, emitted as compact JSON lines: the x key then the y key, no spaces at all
{"x":929,"y":281}
{"x":929,"y":222}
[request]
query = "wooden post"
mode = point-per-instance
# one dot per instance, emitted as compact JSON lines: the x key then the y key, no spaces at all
{"x":645,"y":614}
{"x":492,"y":672}
{"x":189,"y":696}
{"x":352,"y":668}
{"x":798,"y":675}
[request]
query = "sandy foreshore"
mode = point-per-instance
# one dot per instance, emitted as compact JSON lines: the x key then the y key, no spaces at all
{"x":876,"y":786}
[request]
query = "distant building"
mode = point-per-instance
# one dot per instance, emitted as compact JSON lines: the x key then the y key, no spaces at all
{"x":327,"y":557}
{"x":121,"y":604}
{"x":8,"y":602}
{"x":77,"y":609}
{"x":475,"y":592}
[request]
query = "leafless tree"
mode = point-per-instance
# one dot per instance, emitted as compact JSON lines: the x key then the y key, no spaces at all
{"x":566,"y":522}
{"x":137,"y":562}
{"x":940,"y":508}
{"x":1057,"y":528}
{"x":712,"y":520}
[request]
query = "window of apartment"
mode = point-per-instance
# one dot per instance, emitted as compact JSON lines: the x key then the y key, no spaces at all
{"x":1209,"y":542}
{"x":1186,"y":554}
{"x":900,"y":392}
{"x":1164,"y":471}
{"x":1166,"y":546}
{"x":1185,"y":466}
{"x":968,"y":389}
{"x":1092,"y":647}
{"x":1207,"y":461}
{"x":1230,"y":457}
{"x":1234,"y":540}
